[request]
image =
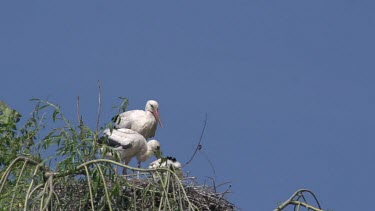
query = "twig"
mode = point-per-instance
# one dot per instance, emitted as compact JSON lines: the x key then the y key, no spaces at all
{"x":78,"y":112}
{"x":298,"y":203}
{"x":316,"y":199}
{"x":298,"y":193}
{"x":18,"y":180}
{"x":89,"y":185}
{"x":105,"y":187}
{"x":226,"y":191}
{"x":224,"y":183}
{"x":213,"y":183}
{"x":209,"y":161}
{"x":99,"y":107}
{"x":199,"y":146}
{"x":48,"y":200}
{"x":31,"y":185}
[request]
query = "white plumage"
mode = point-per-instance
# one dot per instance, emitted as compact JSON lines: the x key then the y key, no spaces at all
{"x":130,"y":144}
{"x":168,"y":162}
{"x":143,"y":122}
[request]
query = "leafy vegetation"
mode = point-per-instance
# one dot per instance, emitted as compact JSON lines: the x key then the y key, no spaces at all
{"x":75,"y":177}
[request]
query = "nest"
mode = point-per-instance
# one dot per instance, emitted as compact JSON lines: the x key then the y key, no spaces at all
{"x":207,"y":197}
{"x":145,"y":193}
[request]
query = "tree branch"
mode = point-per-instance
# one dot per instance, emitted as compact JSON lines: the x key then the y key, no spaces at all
{"x":199,"y":146}
{"x":78,"y":112}
{"x":99,"y":106}
{"x":299,"y":194}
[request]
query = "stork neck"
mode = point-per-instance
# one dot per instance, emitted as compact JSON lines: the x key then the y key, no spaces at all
{"x":150,"y":114}
{"x":145,"y":156}
{"x":149,"y":152}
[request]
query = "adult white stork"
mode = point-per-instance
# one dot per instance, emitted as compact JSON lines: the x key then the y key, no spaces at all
{"x":130,"y":144}
{"x":143,"y":122}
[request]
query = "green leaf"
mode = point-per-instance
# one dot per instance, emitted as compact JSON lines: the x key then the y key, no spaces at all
{"x":42,"y":107}
{"x":124,"y":104}
{"x":55,"y":112}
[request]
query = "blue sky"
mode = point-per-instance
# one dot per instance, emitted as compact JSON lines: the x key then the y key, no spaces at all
{"x":288,"y":86}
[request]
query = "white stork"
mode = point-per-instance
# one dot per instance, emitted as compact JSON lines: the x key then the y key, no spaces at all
{"x":167,"y":162}
{"x":130,"y":144}
{"x":143,"y":122}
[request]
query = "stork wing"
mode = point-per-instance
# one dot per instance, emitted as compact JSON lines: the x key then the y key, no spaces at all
{"x":113,"y":143}
{"x":117,"y":138}
{"x":127,"y":119}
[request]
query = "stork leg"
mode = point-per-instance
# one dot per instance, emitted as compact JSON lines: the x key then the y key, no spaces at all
{"x":139,"y":166}
{"x":125,"y":170}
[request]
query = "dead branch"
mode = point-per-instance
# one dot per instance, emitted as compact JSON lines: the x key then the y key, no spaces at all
{"x":99,"y":106}
{"x":293,"y":200}
{"x":199,"y":146}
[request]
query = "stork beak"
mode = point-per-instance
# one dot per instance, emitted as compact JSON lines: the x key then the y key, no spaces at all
{"x":156,"y":115}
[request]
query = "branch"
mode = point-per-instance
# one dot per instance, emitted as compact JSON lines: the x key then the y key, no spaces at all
{"x":78,"y":112}
{"x":209,"y":161}
{"x":99,"y":106}
{"x":299,"y":193}
{"x":199,"y":146}
{"x":298,"y":203}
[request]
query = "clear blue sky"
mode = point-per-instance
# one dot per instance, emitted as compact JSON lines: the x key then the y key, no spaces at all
{"x":288,"y":86}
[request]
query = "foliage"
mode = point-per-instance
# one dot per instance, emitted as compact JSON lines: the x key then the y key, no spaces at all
{"x":75,"y":177}
{"x":9,"y":143}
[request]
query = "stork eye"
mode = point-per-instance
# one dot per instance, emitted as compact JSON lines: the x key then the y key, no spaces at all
{"x":151,"y":106}
{"x":158,"y":147}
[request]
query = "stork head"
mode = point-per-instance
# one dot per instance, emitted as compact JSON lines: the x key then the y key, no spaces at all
{"x":153,"y":107}
{"x":154,"y":146}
